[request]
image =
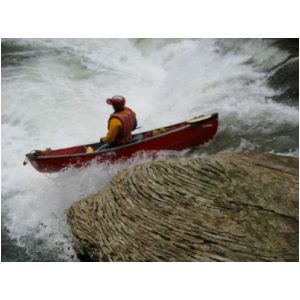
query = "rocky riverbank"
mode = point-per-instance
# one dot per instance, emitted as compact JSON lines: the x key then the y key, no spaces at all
{"x":226,"y":207}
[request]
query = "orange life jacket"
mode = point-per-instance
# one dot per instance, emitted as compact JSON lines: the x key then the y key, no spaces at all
{"x":128,"y":121}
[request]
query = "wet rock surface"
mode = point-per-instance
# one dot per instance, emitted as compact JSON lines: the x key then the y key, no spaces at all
{"x":226,"y":207}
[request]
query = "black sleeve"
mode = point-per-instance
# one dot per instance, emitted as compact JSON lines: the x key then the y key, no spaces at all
{"x":135,"y":124}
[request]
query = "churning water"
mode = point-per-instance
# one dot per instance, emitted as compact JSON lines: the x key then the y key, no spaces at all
{"x":53,"y":95}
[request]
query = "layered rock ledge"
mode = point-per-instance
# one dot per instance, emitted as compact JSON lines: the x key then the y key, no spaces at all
{"x":226,"y":207}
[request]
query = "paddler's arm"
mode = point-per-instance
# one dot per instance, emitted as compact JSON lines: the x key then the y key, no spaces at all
{"x":114,"y":126}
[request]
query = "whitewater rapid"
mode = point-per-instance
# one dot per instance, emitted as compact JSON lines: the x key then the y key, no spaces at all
{"x":53,"y":95}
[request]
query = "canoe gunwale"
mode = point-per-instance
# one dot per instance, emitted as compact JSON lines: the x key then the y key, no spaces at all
{"x":34,"y":157}
{"x":109,"y":149}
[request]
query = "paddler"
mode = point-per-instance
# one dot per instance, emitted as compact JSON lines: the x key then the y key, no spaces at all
{"x":120,"y":123}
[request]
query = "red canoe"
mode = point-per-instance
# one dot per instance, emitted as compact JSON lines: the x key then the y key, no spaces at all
{"x":176,"y":137}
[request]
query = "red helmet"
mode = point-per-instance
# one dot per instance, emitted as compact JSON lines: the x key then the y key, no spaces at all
{"x":118,"y":102}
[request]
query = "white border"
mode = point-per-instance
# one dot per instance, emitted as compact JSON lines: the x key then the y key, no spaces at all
{"x":145,"y":18}
{"x":156,"y":18}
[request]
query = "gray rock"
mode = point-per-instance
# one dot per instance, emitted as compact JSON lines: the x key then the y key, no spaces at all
{"x":226,"y":207}
{"x":285,"y":76}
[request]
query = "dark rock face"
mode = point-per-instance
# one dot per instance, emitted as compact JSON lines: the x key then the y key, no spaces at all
{"x":227,"y":207}
{"x":285,"y":76}
{"x":289,"y":44}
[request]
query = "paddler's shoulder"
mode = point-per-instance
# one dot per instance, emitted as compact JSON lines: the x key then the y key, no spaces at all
{"x":114,"y":121}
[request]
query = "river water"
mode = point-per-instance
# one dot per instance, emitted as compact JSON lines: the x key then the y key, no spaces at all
{"x":53,"y":95}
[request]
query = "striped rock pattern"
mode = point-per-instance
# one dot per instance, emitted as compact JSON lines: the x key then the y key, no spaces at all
{"x":226,"y":207}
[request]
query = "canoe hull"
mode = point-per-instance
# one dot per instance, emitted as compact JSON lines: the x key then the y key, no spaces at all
{"x":186,"y":135}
